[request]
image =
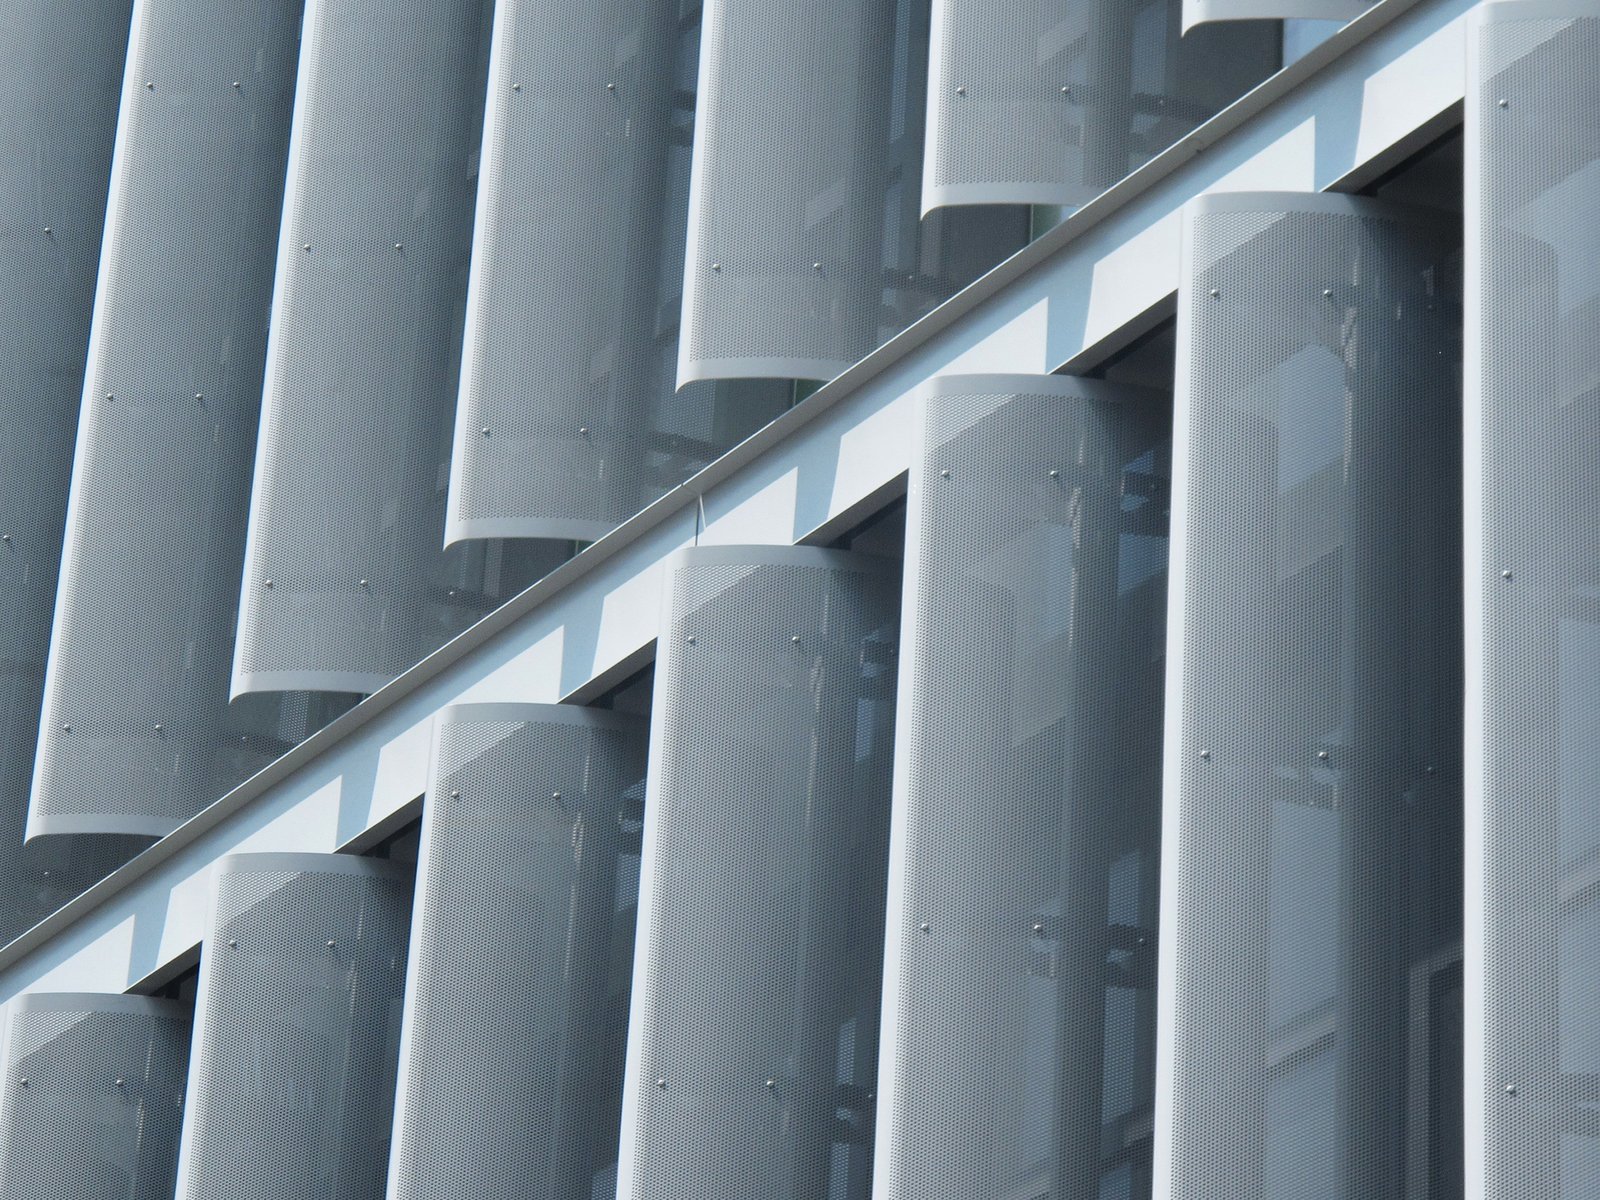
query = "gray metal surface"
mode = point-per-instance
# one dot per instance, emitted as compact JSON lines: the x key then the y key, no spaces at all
{"x":347,"y":515}
{"x":1019,"y":1026}
{"x":137,"y":734}
{"x":91,"y":1097}
{"x":1040,"y":102}
{"x":753,"y":1043}
{"x":1311,"y":889}
{"x":1197,"y":12}
{"x":58,"y":114}
{"x":568,"y":420}
{"x":804,"y":250}
{"x":291,"y":1088}
{"x":521,"y":955}
{"x":1533,"y":595}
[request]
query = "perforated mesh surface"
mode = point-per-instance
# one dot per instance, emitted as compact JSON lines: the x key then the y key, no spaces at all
{"x":137,"y":735}
{"x":804,"y":248}
{"x":753,"y":1052}
{"x":361,"y":377}
{"x":297,"y":1025}
{"x":1020,"y":1032}
{"x":568,"y":422}
{"x":1039,"y":102}
{"x":1313,"y":819}
{"x":521,"y":957}
{"x":58,"y":113}
{"x":1534,"y":184}
{"x":91,"y":1098}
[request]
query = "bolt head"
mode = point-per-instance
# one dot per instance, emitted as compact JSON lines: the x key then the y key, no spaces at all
{"x":1322,"y":755}
{"x":692,"y":641}
{"x":716,"y":266}
{"x":1504,"y":103}
{"x":662,"y":1084}
{"x":236,"y":83}
{"x":961,"y":91}
{"x":267,"y":583}
{"x":455,"y":795}
{"x":1505,"y":574}
{"x":363,"y":583}
{"x":1054,"y":474}
{"x":611,"y":87}
{"x":122,"y":1083}
{"x":923,"y":927}
{"x":771,"y":1083}
{"x":1038,"y":928}
{"x":66,"y":729}
{"x":199,"y":395}
{"x":1511,"y":1089}
{"x":516,"y":87}
{"x":330,"y":943}
{"x":233,"y":941}
{"x":1215,"y":292}
{"x":583,"y":431}
{"x":149,"y":85}
{"x":399,"y":246}
{"x":944,"y":474}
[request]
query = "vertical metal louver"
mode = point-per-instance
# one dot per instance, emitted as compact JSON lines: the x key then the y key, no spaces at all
{"x":1311,"y":884}
{"x":1040,"y":102}
{"x":753,"y":1047}
{"x":1533,"y":596}
{"x":345,"y":585}
{"x":1198,"y":12}
{"x":91,"y":1097}
{"x":58,"y":118}
{"x":137,"y":735}
{"x":521,"y":955}
{"x":1019,"y":1008}
{"x":567,"y":422}
{"x":804,"y":249}
{"x":297,"y":1022}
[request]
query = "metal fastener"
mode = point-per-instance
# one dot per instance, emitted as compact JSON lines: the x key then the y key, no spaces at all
{"x":1066,"y":91}
{"x":399,"y":246}
{"x":330,"y":943}
{"x":961,"y":91}
{"x":795,"y":639}
{"x":1037,"y":928}
{"x":160,"y":727}
{"x":716,"y":266}
{"x":199,"y":395}
{"x":5,"y":537}
{"x":516,"y":87}
{"x":149,"y":85}
{"x":485,"y":431}
{"x":1206,"y":754}
{"x":944,"y":474}
{"x":691,"y":641}
{"x":306,"y":247}
{"x":455,"y":795}
{"x":1323,"y":755}
{"x":236,"y":83}
{"x":816,"y":266}
{"x":662,"y":1084}
{"x":1215,"y":293}
{"x":555,"y":795}
{"x":363,"y":583}
{"x":233,"y":941}
{"x":1511,"y":1089}
{"x":923,"y":927}
{"x":47,"y":231}
{"x":1328,"y":292}
{"x":109,"y":396}
{"x":1505,"y":574}
{"x":1504,"y":103}
{"x":66,"y":729}
{"x":1431,"y":770}
{"x":1054,"y":474}
{"x":611,"y":87}
{"x":122,"y":1083}
{"x":771,"y":1084}
{"x":267,"y":583}
{"x":583,"y":431}
{"x":23,"y":1081}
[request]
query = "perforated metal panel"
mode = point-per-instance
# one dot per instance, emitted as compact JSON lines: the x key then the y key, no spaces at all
{"x":137,"y":735}
{"x":1019,"y":1027}
{"x":1533,"y":595}
{"x":753,"y":1045}
{"x":91,"y":1097}
{"x":804,"y":249}
{"x":1196,"y":12}
{"x":297,"y":1026}
{"x":1040,"y":102}
{"x":1311,"y":890}
{"x":58,"y":112}
{"x":521,"y":955}
{"x":568,"y":423}
{"x":344,"y":583}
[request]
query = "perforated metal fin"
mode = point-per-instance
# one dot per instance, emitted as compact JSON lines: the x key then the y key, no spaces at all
{"x":1040,"y":102}
{"x":291,"y":1090}
{"x":91,"y":1097}
{"x":1312,"y":838}
{"x":521,"y":955}
{"x":1198,"y":12}
{"x":753,"y":1046}
{"x":1533,"y":595}
{"x":59,"y":91}
{"x":345,"y":585}
{"x":568,"y":421}
{"x":137,"y":735}
{"x":1019,"y":1008}
{"x":804,"y":251}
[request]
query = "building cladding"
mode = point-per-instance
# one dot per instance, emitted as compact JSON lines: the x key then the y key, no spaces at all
{"x":852,"y":600}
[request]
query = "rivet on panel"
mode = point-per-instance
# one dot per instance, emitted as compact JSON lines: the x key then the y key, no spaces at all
{"x":306,"y":247}
{"x":1322,"y":755}
{"x":267,"y":583}
{"x":1038,"y":928}
{"x":362,"y":582}
{"x":1054,"y":474}
{"x":47,"y":231}
{"x":1511,"y":1089}
{"x":516,"y":87}
{"x":923,"y":927}
{"x":1504,"y":103}
{"x":1328,"y":293}
{"x":1505,"y":574}
{"x":237,"y":84}
{"x":399,"y":246}
{"x":555,"y":795}
{"x":1206,"y":754}
{"x":1066,"y":91}
{"x":149,"y":85}
{"x":199,"y":396}
{"x":795,"y":639}
{"x":110,"y":396}
{"x":772,"y":1084}
{"x":234,"y":942}
{"x":5,"y":537}
{"x":945,"y":473}
{"x":1215,"y":292}
{"x":122,"y":1083}
{"x":455,"y":795}
{"x":961,"y":91}
{"x":611,"y":87}
{"x":662,"y":1084}
{"x":716,"y":266}
{"x":330,"y":943}
{"x":583,"y":431}
{"x":160,"y":728}
{"x":66,"y":729}
{"x":816,"y":266}
{"x":23,"y":1081}
{"x":692,"y":641}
